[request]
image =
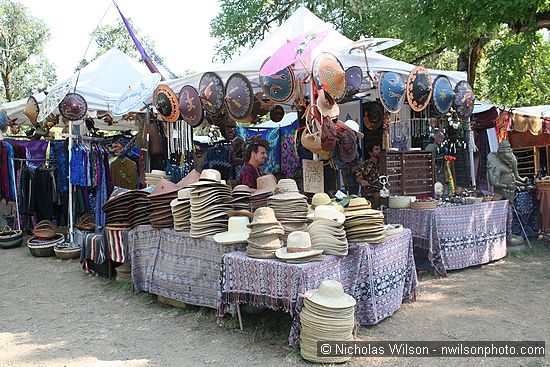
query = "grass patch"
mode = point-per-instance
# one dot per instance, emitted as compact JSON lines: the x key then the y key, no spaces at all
{"x":294,"y":354}
{"x":124,"y":286}
{"x":536,"y":250}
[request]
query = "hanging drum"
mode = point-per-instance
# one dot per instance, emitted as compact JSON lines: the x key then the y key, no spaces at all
{"x":279,"y":86}
{"x":212,"y":92}
{"x":277,"y":113}
{"x":73,"y":107}
{"x":392,"y":91}
{"x":354,"y":78}
{"x":239,"y":96}
{"x":329,"y":74}
{"x":443,"y":94}
{"x":464,"y":99}
{"x":419,"y":88}
{"x":190,"y":106}
{"x":166,"y":102}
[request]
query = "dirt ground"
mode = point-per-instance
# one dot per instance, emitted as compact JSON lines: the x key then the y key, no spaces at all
{"x":53,"y":314}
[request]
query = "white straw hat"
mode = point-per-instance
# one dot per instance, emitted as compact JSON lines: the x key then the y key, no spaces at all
{"x":331,"y":295}
{"x":327,"y":212}
{"x":298,"y":245}
{"x":237,"y":231}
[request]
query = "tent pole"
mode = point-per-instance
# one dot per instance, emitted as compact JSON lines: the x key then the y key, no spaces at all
{"x":70,"y":184}
{"x":471,"y":154}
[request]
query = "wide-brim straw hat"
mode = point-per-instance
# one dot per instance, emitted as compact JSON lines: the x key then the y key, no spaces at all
{"x":331,"y":295}
{"x":327,"y":212}
{"x":326,"y":105}
{"x":265,"y":184}
{"x":237,"y":231}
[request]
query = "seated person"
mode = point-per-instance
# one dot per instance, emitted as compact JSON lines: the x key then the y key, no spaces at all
{"x":367,"y":174}
{"x":256,"y":155}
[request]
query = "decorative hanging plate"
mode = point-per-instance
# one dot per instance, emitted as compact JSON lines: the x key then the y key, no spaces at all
{"x":419,"y":88}
{"x":239,"y":96}
{"x":354,"y":78}
{"x":464,"y":99}
{"x":54,"y":97}
{"x":137,"y":94}
{"x":73,"y":107}
{"x":329,"y":74}
{"x":279,"y":86}
{"x":31,"y":109}
{"x":190,"y":106}
{"x":374,"y":115}
{"x":392,"y":91}
{"x":212,"y":92}
{"x":277,"y":113}
{"x":166,"y":102}
{"x":443,"y":94}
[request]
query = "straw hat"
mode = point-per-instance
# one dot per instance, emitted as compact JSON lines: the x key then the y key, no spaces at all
{"x":207,"y":177}
{"x":242,"y":189}
{"x":393,"y":229}
{"x":164,"y":187}
{"x":237,"y":231}
{"x":264,"y":215}
{"x":185,"y":194}
{"x":331,"y":295}
{"x":298,"y":245}
{"x":327,"y":212}
{"x":264,"y":184}
{"x":320,"y":198}
{"x":287,"y":189}
{"x":326,"y":104}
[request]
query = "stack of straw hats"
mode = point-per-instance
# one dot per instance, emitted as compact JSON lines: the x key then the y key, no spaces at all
{"x":138,"y":209}
{"x":237,"y":231}
{"x":153,"y":178}
{"x":265,"y":185}
{"x":181,"y":210}
{"x":210,"y":201}
{"x":327,"y":230}
{"x":290,"y":206}
{"x":362,"y":223}
{"x":298,"y":249}
{"x":241,"y":197}
{"x":160,"y":213}
{"x":322,"y":199}
{"x":264,"y":238}
{"x":328,"y":315}
{"x":116,"y":208}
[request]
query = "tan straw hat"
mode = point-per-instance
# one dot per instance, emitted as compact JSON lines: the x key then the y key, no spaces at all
{"x":237,"y":231}
{"x":331,"y":295}
{"x":298,"y":245}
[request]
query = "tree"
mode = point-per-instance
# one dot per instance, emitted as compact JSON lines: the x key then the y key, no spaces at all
{"x":435,"y":31}
{"x":23,"y":66}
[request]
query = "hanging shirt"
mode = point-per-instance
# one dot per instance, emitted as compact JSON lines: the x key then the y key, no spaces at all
{"x":124,"y":172}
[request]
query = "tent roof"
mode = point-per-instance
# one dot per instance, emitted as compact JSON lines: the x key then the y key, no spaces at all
{"x":301,"y":21}
{"x":539,"y":111}
{"x":101,"y":83}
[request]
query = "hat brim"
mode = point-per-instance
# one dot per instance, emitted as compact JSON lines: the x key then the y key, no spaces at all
{"x":283,"y":253}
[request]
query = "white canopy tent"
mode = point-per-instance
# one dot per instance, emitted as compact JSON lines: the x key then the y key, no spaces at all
{"x":302,"y":21}
{"x":101,"y":83}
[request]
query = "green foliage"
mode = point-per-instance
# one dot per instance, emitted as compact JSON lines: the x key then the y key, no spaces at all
{"x":23,"y":66}
{"x":435,"y":33}
{"x":516,"y":70}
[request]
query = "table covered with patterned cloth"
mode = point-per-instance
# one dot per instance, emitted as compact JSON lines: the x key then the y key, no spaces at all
{"x":459,"y":236}
{"x":379,"y":276}
{"x":174,"y":265}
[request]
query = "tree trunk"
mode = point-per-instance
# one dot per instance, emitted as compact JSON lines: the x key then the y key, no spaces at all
{"x":469,"y":58}
{"x":6,"y":80}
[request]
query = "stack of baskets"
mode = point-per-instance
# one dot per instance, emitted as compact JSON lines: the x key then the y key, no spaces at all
{"x":10,"y":238}
{"x":45,"y":239}
{"x":399,"y":202}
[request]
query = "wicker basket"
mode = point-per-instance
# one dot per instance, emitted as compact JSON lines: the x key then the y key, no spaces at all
{"x":423,"y":205}
{"x":399,"y":202}
{"x":473,"y":200}
{"x":11,"y":238}
{"x":66,"y":253}
{"x":44,"y":248}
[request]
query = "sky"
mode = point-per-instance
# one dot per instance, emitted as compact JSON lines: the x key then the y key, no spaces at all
{"x":180,"y":29}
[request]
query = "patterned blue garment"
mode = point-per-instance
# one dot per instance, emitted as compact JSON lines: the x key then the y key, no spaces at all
{"x":78,"y":166}
{"x":60,"y":157}
{"x":273,"y":162}
{"x":527,"y":207}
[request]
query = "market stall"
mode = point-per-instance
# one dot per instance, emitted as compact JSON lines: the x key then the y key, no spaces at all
{"x":459,"y":236}
{"x":379,"y":276}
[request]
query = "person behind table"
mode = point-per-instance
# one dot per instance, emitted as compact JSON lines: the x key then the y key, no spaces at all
{"x":367,"y":174}
{"x":256,"y":155}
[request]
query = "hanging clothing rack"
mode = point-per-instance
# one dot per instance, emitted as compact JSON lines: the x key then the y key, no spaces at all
{"x":15,"y":183}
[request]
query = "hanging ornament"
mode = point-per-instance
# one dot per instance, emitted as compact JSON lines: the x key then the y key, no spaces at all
{"x":384,"y":192}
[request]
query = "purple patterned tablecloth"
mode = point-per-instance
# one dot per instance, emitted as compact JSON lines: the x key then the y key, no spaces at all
{"x":380,"y":277}
{"x":460,"y":236}
{"x":171,"y":264}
